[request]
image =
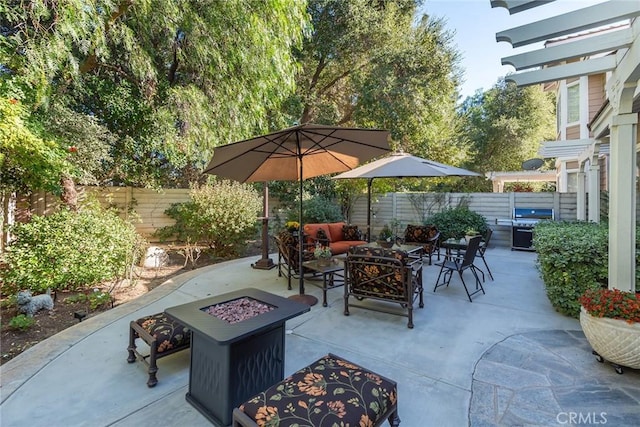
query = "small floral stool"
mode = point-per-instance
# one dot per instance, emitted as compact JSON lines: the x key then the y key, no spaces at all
{"x":164,"y":335}
{"x":329,"y":392}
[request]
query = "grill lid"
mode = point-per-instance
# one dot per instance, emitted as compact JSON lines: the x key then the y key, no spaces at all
{"x":532,"y":213}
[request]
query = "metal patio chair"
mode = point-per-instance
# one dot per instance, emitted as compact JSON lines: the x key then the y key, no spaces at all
{"x":460,"y":263}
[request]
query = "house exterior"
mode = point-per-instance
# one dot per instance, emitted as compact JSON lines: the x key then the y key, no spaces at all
{"x":587,"y":66}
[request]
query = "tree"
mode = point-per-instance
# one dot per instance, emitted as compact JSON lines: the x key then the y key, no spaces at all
{"x":167,"y":81}
{"x":506,"y":125}
{"x":373,"y":64}
{"x":27,"y":161}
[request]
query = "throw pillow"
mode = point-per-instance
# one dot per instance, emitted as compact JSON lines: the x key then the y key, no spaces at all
{"x":322,"y":237}
{"x":351,"y":232}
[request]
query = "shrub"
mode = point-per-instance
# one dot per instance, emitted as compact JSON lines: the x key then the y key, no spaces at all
{"x":223,"y":215}
{"x":572,"y":257}
{"x":320,"y":210}
{"x":21,"y":322}
{"x":99,"y":298}
{"x":454,"y":222}
{"x":70,"y":250}
{"x":95,"y":299}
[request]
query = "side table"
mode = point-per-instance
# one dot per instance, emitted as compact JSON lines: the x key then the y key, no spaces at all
{"x":331,"y":277}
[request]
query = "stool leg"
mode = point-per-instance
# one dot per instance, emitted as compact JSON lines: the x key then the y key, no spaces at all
{"x":132,"y":345}
{"x":394,"y":419}
{"x":153,"y":367}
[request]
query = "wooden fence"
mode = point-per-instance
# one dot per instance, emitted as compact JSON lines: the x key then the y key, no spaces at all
{"x":145,"y":207}
{"x":414,"y":208}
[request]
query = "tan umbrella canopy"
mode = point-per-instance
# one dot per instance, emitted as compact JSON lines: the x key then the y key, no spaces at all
{"x":295,"y":154}
{"x":400,"y":165}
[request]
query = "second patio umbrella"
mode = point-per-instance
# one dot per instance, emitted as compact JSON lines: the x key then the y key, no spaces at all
{"x":400,"y":165}
{"x":295,"y":154}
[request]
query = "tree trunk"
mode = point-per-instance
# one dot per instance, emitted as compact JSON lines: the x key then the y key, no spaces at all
{"x":69,"y":194}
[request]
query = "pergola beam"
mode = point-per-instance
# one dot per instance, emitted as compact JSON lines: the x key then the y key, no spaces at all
{"x":571,"y":50}
{"x":569,"y":23}
{"x":515,"y":6}
{"x":562,"y":72}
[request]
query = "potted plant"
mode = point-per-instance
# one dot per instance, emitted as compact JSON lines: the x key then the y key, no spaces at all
{"x":469,"y":233}
{"x":610,"y":320}
{"x":386,"y":238}
{"x":322,"y":254}
{"x":292,"y":225}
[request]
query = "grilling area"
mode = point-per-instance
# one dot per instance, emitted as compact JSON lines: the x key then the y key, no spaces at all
{"x":522,"y":223}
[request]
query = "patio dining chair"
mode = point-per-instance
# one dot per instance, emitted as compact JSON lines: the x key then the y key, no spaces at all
{"x":460,"y":263}
{"x":484,"y":244}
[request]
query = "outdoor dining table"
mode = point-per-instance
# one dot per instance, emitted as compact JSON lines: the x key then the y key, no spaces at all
{"x":412,"y":250}
{"x":450,"y":245}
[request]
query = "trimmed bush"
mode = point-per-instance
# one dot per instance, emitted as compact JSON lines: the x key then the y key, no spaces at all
{"x":455,"y":222}
{"x":223,"y":215}
{"x":320,"y":210}
{"x":572,"y":257}
{"x":70,"y":250}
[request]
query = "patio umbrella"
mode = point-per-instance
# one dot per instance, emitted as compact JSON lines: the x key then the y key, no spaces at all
{"x":297,"y":153}
{"x":400,"y":165}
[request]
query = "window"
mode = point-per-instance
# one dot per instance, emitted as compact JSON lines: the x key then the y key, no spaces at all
{"x":573,"y":103}
{"x":572,"y":182}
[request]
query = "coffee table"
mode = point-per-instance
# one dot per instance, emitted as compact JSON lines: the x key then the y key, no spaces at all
{"x":331,"y":277}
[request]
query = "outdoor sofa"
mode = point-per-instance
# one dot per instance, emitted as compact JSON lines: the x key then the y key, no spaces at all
{"x":339,"y":236}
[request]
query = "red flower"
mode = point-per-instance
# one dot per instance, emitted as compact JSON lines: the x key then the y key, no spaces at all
{"x":612,"y":303}
{"x":13,"y":101}
{"x":73,"y":149}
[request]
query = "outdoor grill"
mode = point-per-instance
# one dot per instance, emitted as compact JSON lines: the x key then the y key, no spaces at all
{"x":522,"y":223}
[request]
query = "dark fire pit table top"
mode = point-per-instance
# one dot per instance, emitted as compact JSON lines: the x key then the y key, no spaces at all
{"x":194,"y":315}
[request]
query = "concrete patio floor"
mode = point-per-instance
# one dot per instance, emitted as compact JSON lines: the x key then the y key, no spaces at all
{"x":507,"y":359}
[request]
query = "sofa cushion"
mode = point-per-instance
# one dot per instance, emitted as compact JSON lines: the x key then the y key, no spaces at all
{"x":383,"y":277}
{"x":311,"y":230}
{"x":168,"y":332}
{"x":419,"y":233}
{"x":343,"y":246}
{"x":335,"y":231}
{"x":373,"y":253}
{"x":351,"y":232}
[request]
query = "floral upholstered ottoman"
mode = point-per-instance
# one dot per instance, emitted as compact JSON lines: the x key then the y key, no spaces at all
{"x":163,"y":334}
{"x":330,"y":392}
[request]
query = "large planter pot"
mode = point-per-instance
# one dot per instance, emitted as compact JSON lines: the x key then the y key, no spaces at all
{"x":612,"y":339}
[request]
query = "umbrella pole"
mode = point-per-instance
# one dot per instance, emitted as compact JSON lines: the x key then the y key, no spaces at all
{"x":265,"y":263}
{"x":369,"y":181}
{"x":301,"y":297}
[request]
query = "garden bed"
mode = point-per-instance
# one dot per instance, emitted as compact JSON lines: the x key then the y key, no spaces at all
{"x":13,"y":341}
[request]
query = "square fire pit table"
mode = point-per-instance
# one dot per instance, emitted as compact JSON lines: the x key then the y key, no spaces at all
{"x":230,"y":362}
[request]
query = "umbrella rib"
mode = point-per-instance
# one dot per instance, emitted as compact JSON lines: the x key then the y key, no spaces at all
{"x":324,"y":148}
